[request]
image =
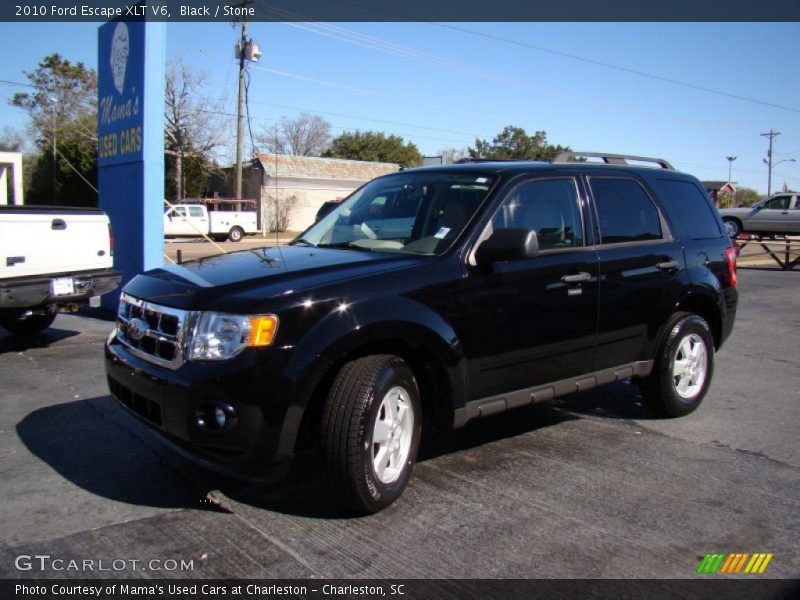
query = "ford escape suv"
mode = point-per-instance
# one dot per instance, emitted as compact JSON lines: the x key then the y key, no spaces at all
{"x":452,"y":292}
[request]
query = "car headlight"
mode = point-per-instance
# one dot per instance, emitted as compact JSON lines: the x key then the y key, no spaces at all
{"x":219,"y":336}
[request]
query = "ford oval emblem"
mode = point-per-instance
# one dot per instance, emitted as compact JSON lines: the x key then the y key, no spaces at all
{"x":136,"y":329}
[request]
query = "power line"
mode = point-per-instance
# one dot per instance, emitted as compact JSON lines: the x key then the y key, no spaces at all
{"x":410,"y":136}
{"x":615,"y":67}
{"x":16,"y":83}
{"x":585,"y":59}
{"x":362,"y":90}
{"x":335,"y":114}
{"x":375,"y":43}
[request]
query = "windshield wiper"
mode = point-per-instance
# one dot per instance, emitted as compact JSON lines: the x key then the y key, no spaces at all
{"x":302,"y":242}
{"x":344,"y":245}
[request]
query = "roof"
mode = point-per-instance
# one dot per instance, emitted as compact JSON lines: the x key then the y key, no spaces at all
{"x":310,"y":167}
{"x":714,"y":185}
{"x":492,"y":167}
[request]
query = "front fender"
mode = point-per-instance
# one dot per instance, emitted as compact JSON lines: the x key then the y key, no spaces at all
{"x":346,"y":329}
{"x":394,"y":318}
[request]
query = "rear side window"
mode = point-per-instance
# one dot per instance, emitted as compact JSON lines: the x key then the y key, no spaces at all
{"x":625,"y":211}
{"x":692,"y":207}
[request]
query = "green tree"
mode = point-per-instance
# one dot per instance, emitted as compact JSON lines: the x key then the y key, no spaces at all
{"x":744,"y":196}
{"x":515,"y":143}
{"x":62,"y":108}
{"x":374,"y":146}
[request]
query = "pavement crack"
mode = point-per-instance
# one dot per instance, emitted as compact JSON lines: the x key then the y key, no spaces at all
{"x":222,"y":502}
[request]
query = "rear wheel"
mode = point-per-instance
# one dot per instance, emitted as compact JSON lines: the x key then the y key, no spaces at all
{"x":236,"y":234}
{"x":27,"y":325}
{"x":370,"y":432}
{"x":732,"y":227}
{"x":683,"y":368}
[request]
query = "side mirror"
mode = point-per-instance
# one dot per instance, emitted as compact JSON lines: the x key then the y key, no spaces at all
{"x":508,"y":244}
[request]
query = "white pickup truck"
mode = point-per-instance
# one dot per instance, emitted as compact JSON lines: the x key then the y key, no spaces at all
{"x":182,"y":220}
{"x":52,"y":259}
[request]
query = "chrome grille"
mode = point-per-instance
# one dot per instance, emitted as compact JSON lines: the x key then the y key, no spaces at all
{"x":153,"y":332}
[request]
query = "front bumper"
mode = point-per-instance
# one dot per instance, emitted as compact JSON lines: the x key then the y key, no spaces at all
{"x":169,"y":401}
{"x":36,"y":291}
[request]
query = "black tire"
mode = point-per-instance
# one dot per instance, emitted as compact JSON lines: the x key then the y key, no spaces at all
{"x":733,"y":227}
{"x":236,"y":234}
{"x":356,"y":401}
{"x":27,"y":325}
{"x":662,"y":389}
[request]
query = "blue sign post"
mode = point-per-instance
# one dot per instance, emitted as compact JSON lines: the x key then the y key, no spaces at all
{"x":130,"y":153}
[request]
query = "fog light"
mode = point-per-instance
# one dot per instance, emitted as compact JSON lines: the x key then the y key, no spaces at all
{"x":215,"y":417}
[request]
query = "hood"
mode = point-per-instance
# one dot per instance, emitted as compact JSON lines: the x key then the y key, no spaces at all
{"x":239,"y":280}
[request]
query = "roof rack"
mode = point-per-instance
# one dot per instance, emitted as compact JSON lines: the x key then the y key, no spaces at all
{"x":463,"y":161}
{"x":610,"y":159}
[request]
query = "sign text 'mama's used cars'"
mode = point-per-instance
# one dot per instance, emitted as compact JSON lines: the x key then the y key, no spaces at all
{"x":776,"y":215}
{"x":455,"y":292}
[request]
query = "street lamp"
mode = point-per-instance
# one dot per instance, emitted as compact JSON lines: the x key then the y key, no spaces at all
{"x":771,"y":166}
{"x":730,"y":160}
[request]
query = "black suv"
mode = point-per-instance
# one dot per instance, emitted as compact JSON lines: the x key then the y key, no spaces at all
{"x":453,"y":292}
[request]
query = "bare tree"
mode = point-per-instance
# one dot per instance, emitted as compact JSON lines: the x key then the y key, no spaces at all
{"x":451,"y":155}
{"x":192,"y":126}
{"x":305,"y":135}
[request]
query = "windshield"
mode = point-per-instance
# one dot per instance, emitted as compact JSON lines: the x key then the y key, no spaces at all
{"x":416,"y":213}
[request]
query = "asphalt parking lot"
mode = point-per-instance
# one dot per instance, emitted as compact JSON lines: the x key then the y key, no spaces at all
{"x":588,"y":486}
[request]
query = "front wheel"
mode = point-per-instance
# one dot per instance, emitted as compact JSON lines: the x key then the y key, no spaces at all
{"x":370,"y":432}
{"x":236,"y":234}
{"x":683,"y":367}
{"x":27,"y":325}
{"x":732,"y":227}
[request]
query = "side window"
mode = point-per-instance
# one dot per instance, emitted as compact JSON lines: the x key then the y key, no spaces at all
{"x":779,"y":203}
{"x":691,"y":206}
{"x":550,"y":207}
{"x":625,"y":211}
{"x":180,"y":211}
{"x":195,"y":211}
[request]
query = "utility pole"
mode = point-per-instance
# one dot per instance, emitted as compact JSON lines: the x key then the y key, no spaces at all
{"x":771,"y":135}
{"x":240,"y":110}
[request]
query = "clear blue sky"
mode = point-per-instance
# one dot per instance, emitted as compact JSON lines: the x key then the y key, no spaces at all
{"x":443,"y":87}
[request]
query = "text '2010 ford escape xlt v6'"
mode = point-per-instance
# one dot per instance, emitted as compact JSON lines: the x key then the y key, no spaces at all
{"x":454,"y":292}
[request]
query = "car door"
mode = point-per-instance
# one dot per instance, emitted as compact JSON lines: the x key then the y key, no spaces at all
{"x":794,"y":217}
{"x":772,"y":216}
{"x":197,"y":220}
{"x":534,"y":320}
{"x":175,"y":221}
{"x":638,"y":261}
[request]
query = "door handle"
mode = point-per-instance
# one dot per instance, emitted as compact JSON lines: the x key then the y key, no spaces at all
{"x":668,"y":265}
{"x":576,"y":278}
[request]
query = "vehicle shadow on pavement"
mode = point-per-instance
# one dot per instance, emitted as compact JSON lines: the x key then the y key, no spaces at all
{"x":23,"y":343}
{"x":96,"y":446}
{"x":621,"y":400}
{"x":304,"y":493}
